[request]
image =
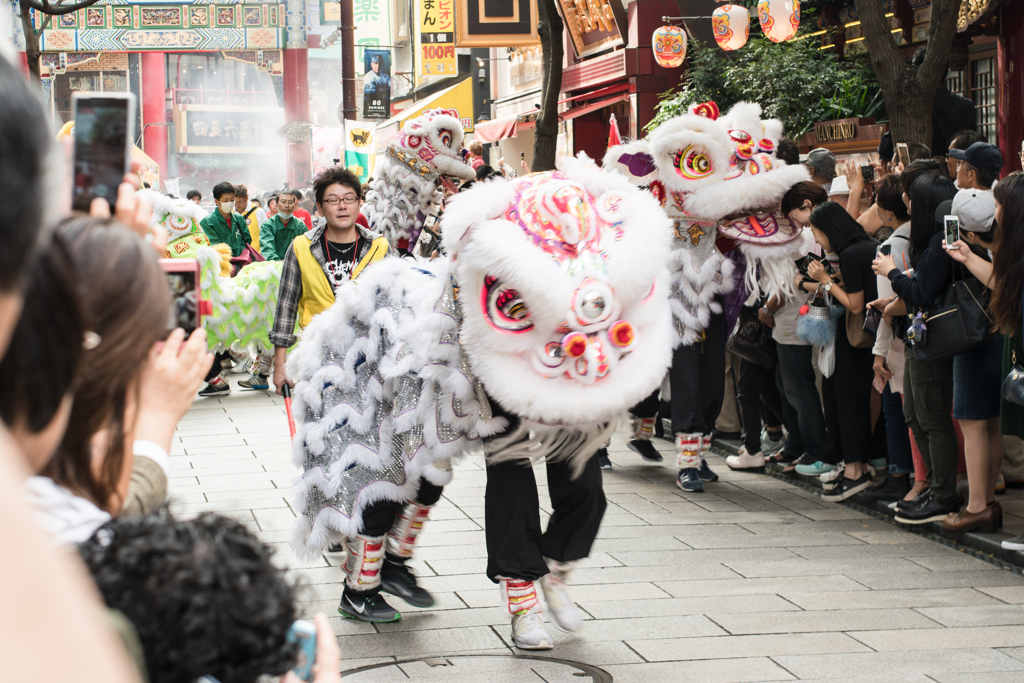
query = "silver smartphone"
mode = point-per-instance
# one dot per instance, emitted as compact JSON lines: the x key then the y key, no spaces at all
{"x":952,"y":226}
{"x":104,"y":123}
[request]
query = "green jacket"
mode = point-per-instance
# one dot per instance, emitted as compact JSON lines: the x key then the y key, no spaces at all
{"x":276,"y":237}
{"x":235,"y":236}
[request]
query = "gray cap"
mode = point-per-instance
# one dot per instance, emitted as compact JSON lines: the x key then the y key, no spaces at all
{"x":823,"y":162}
{"x":976,"y":210}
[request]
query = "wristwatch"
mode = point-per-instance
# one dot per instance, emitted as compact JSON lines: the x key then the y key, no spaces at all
{"x":828,"y":286}
{"x":766,"y":311}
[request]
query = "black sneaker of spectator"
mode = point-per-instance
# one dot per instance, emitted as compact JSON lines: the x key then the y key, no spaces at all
{"x":603,"y":460}
{"x":847,"y":488}
{"x":928,"y":510}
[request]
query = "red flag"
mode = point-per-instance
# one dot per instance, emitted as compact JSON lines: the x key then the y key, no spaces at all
{"x":613,"y":132}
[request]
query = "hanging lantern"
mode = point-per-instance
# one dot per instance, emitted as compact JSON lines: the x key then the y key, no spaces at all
{"x":669,"y":43}
{"x":779,"y":19}
{"x":731,"y":24}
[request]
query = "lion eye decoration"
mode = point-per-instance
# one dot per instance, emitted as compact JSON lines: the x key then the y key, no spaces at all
{"x":692,"y":163}
{"x":446,"y":137}
{"x":503,"y":308}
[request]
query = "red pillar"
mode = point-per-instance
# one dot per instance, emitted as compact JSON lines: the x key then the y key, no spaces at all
{"x":296,"y":108}
{"x":154,"y":108}
{"x":1011,"y":96}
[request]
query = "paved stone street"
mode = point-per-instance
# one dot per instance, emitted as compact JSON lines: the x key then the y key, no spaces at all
{"x":754,"y":580}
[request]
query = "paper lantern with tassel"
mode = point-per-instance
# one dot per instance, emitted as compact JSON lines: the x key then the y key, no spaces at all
{"x":731,"y":25}
{"x":779,"y":19}
{"x":669,"y":44}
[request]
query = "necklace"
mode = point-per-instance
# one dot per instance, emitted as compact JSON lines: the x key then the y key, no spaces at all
{"x":355,"y":251}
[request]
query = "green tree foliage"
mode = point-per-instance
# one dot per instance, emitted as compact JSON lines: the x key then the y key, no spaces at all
{"x":792,"y":81}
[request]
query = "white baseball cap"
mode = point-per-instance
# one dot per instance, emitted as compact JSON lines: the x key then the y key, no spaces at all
{"x":976,"y":210}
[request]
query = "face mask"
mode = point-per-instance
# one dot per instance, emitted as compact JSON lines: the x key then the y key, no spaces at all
{"x":227,"y":206}
{"x":285,"y":214}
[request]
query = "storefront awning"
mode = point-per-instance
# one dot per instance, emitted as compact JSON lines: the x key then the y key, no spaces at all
{"x":456,"y":100}
{"x":593,"y":106}
{"x":492,"y":131}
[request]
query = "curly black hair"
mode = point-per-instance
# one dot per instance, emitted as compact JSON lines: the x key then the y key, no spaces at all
{"x":201,"y":593}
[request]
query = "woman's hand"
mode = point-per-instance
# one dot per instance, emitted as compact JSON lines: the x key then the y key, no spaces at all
{"x":170,"y":380}
{"x":883,"y":264}
{"x":328,"y":655}
{"x":880,"y":304}
{"x":881,"y":369}
{"x":958,"y":251}
{"x":816,"y":271}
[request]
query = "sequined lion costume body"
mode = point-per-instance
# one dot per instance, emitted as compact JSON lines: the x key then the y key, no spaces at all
{"x":547,"y":318}
{"x":717,"y":175}
{"x":244,"y":305}
{"x":406,"y":192}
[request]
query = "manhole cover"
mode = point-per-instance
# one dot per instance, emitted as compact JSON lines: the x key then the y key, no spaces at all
{"x":476,"y":668}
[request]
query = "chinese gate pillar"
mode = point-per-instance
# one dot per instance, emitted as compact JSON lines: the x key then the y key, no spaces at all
{"x":154,"y":108}
{"x":296,"y":108}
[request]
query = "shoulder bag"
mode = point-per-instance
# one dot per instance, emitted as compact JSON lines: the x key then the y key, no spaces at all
{"x":959,"y":322}
{"x":752,"y":340}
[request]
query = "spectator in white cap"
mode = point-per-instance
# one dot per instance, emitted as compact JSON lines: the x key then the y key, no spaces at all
{"x":977,"y":372}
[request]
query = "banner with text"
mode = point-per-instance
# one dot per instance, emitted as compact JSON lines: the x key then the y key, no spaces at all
{"x":359,"y":156}
{"x":436,"y":38}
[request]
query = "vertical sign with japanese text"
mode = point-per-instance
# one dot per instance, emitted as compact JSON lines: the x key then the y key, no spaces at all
{"x":376,"y":84}
{"x":437,"y":38}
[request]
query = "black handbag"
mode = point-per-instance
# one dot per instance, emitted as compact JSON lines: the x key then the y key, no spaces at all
{"x":960,"y":322}
{"x":752,"y":340}
{"x":1013,"y":386}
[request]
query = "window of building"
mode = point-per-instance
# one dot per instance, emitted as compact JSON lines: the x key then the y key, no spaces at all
{"x":979,"y":83}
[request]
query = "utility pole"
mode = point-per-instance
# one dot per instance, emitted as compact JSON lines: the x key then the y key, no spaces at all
{"x":348,"y":57}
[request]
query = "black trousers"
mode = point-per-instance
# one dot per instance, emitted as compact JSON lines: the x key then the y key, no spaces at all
{"x":217,"y":367}
{"x":846,"y":400}
{"x":379,"y":517}
{"x":757,"y":382}
{"x":516,"y":547}
{"x":697,"y":380}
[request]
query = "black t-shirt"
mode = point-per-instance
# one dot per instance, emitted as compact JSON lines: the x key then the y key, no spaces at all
{"x":855,"y":266}
{"x":341,"y":260}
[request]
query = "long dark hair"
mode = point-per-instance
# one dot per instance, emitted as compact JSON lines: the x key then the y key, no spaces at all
{"x":838,"y":225}
{"x":126,"y":299}
{"x":926,"y":194}
{"x":1008,"y":264}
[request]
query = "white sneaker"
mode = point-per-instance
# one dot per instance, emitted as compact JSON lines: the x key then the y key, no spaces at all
{"x":528,"y":632}
{"x":564,"y":614}
{"x":833,"y":473}
{"x":745,"y":461}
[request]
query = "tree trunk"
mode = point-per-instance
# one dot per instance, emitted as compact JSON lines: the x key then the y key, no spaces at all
{"x":545,"y":143}
{"x":32,"y":52}
{"x":909,"y":91}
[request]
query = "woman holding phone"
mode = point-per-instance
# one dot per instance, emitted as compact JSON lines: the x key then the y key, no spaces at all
{"x":849,"y":387}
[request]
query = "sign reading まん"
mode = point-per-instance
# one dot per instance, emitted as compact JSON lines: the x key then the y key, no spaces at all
{"x":437,"y":38}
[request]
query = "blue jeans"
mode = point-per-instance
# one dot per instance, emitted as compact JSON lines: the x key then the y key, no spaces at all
{"x":897,"y":435}
{"x":798,"y":386}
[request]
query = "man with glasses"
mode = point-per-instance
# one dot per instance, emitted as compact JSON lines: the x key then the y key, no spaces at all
{"x":317,"y":262}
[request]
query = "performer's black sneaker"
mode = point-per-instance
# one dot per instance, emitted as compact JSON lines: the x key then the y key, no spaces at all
{"x":221,"y":388}
{"x":398,"y":580}
{"x":688,"y":480}
{"x":370,"y":607}
{"x":646,"y":450}
{"x":603,"y":461}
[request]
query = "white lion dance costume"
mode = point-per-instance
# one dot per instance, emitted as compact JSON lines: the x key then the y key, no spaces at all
{"x":714,"y":177}
{"x":548,"y":317}
{"x":400,"y":200}
{"x":244,"y":305}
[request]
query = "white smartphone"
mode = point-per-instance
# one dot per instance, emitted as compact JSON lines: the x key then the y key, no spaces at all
{"x":104,"y":123}
{"x":952,"y":225}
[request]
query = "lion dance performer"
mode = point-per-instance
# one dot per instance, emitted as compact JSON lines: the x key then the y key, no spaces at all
{"x":547,"y":317}
{"x":718,"y":181}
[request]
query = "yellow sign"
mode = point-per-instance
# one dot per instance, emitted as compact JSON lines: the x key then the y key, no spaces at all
{"x":437,"y":38}
{"x":455,"y":101}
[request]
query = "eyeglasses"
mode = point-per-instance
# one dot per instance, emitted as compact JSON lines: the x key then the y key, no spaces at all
{"x":347,"y":199}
